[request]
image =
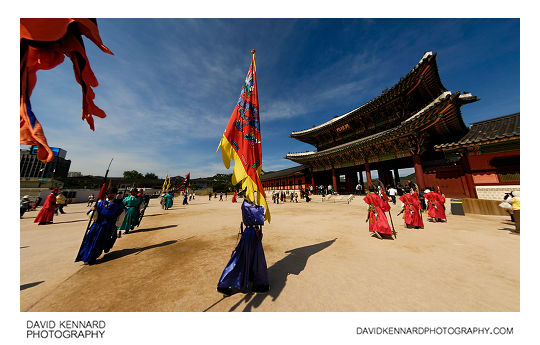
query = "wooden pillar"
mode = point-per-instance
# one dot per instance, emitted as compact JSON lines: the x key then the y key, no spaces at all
{"x":419,"y":172}
{"x":313,"y":180}
{"x":350,"y":182}
{"x":396,"y":176}
{"x":389,"y":178}
{"x":383,"y":176}
{"x":368,"y":175}
{"x":361,"y":182}
{"x":334,"y":180}
{"x":468,"y":176}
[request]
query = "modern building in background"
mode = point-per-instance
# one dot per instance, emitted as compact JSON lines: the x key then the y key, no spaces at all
{"x":33,"y":167}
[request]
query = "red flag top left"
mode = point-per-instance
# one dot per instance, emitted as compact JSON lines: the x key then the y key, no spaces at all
{"x":44,"y":42}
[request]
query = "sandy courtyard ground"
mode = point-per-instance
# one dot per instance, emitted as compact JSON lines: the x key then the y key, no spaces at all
{"x":320,"y":258}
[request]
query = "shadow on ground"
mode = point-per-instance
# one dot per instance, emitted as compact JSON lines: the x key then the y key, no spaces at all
{"x":72,"y":221}
{"x":152,"y":215}
{"x":512,"y":231}
{"x":123,"y":252}
{"x":29,"y":285}
{"x":153,"y":229}
{"x":294,"y":263}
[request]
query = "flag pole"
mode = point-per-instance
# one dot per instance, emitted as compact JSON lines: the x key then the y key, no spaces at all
{"x":254,"y":65}
{"x":255,"y":194}
{"x":103,"y":188}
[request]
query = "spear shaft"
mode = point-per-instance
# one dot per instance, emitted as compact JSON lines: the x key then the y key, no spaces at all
{"x":100,"y":195}
{"x":389,"y":213}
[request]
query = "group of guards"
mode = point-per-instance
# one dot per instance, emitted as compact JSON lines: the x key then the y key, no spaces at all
{"x":411,"y":209}
{"x":110,"y":216}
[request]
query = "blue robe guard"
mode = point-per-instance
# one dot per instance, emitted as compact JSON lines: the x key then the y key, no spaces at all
{"x":247,"y":270}
{"x":102,"y":233}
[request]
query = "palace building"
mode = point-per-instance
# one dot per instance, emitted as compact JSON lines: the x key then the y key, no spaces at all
{"x":415,"y":124}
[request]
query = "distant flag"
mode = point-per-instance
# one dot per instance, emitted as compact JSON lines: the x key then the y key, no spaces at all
{"x":185,"y":184}
{"x":241,"y":141}
{"x":44,"y":42}
{"x":164,"y":183}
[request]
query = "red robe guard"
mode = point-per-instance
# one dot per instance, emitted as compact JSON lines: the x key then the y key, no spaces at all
{"x":435,"y":205}
{"x":377,"y":219}
{"x":46,"y":213}
{"x":411,"y":214}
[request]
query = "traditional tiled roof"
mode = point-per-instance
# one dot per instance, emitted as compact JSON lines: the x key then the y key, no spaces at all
{"x":285,"y":172}
{"x":404,"y":84}
{"x":484,"y":132}
{"x":423,"y":119}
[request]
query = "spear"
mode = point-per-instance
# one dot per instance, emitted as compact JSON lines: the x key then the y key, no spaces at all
{"x":440,"y":193}
{"x":101,"y":195}
{"x":392,"y":223}
{"x":418,"y":194}
{"x":389,"y":213}
{"x":144,"y":209}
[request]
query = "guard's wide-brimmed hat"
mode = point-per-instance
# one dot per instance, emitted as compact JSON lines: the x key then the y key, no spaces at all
{"x":26,"y":197}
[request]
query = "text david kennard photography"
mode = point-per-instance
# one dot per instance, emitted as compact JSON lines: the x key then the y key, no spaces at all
{"x":65,"y":329}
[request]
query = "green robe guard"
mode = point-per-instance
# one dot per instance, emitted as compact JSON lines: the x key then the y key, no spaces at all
{"x":133,"y":204}
{"x":168,"y":200}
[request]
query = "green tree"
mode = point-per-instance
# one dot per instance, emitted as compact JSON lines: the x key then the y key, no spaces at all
{"x":150,"y":176}
{"x":133,"y":175}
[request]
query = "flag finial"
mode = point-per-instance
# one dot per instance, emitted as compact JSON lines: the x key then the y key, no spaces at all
{"x":252,"y":51}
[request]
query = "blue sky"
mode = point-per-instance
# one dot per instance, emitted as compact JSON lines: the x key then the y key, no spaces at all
{"x":172,"y":84}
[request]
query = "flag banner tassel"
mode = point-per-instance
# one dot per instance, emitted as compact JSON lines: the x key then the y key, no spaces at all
{"x":240,"y":176}
{"x":241,"y":142}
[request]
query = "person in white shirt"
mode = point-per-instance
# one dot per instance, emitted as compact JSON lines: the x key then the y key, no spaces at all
{"x":358,"y":188}
{"x":509,"y":198}
{"x":392,"y":192}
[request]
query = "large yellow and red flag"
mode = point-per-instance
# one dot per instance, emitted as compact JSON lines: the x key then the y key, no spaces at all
{"x":241,"y":141}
